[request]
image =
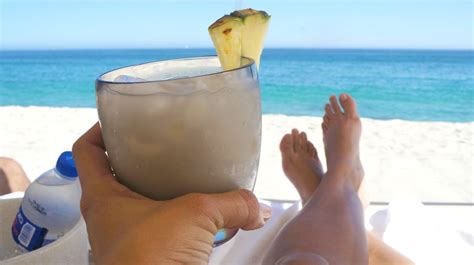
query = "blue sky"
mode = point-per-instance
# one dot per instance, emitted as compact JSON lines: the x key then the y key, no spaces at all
{"x":56,"y":24}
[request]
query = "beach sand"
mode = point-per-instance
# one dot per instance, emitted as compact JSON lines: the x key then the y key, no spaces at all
{"x":428,"y":161}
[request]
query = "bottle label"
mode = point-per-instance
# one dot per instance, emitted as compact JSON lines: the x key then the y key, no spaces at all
{"x":27,"y":234}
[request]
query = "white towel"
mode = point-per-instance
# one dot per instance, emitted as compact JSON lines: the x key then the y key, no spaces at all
{"x":422,"y":233}
{"x":247,"y":247}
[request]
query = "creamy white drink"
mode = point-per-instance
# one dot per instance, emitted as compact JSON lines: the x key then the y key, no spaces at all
{"x":188,"y":128}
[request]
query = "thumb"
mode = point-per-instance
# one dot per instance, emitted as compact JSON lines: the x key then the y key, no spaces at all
{"x":238,"y":209}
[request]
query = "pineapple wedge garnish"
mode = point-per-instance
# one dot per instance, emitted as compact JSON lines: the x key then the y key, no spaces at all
{"x":253,"y":33}
{"x":240,"y":34}
{"x":226,"y":33}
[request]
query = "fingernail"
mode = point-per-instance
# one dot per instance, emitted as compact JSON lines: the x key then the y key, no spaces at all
{"x":266,"y":211}
{"x":343,"y":97}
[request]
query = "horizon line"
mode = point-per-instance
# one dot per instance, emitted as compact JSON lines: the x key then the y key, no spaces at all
{"x":267,"y":48}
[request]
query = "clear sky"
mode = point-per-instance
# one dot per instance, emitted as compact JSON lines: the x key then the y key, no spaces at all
{"x":72,"y":24}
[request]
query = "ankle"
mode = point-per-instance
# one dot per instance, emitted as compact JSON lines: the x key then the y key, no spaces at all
{"x":340,"y":181}
{"x":335,"y":192}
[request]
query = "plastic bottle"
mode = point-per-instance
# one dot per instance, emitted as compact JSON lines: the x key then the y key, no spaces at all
{"x":50,"y":207}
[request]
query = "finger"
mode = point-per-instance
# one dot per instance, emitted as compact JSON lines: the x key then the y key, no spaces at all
{"x":91,"y":161}
{"x":238,"y":209}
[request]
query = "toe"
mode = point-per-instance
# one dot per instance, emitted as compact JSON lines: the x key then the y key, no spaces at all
{"x":349,"y":105}
{"x":324,"y":124}
{"x":313,"y":151}
{"x":326,"y":120}
{"x":286,"y":145}
{"x":324,"y":127}
{"x":334,"y":105}
{"x":328,"y":110}
{"x":296,"y":140}
{"x":309,"y":148}
{"x":304,"y":141}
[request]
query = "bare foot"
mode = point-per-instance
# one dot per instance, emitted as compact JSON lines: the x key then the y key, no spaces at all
{"x":301,"y":163}
{"x":341,"y":134}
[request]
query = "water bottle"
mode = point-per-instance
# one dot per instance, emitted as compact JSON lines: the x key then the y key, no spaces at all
{"x":50,"y":207}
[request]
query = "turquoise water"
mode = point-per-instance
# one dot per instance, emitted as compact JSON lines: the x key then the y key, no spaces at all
{"x":388,"y":84}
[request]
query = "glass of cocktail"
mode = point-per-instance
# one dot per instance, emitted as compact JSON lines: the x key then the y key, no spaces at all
{"x":180,"y":126}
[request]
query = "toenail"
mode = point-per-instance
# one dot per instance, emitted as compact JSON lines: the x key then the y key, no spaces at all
{"x":343,"y":97}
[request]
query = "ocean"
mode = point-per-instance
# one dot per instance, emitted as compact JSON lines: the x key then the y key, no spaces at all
{"x":388,"y":84}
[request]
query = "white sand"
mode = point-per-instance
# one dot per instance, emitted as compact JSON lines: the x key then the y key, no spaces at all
{"x":430,"y":161}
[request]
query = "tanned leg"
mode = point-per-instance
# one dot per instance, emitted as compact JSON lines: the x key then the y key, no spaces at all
{"x":303,"y":168}
{"x":12,"y":176}
{"x":330,"y":227}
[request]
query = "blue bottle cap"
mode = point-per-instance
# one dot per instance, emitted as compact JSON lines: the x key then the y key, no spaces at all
{"x":66,"y":165}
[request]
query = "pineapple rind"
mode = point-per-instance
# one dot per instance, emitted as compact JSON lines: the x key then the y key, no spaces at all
{"x":248,"y":12}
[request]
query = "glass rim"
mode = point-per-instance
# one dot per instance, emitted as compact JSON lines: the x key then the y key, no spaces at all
{"x":99,"y":79}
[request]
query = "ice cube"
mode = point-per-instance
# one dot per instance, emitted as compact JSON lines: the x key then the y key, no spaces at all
{"x":128,"y":79}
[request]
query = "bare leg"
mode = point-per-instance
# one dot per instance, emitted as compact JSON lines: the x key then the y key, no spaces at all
{"x":12,"y":176}
{"x":330,"y":227}
{"x":382,"y":254}
{"x":303,"y":168}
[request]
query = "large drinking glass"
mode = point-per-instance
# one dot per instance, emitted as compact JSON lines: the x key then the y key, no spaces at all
{"x":180,"y":126}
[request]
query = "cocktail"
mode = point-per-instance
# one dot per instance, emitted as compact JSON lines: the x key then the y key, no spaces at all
{"x":189,"y":125}
{"x":180,"y":126}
